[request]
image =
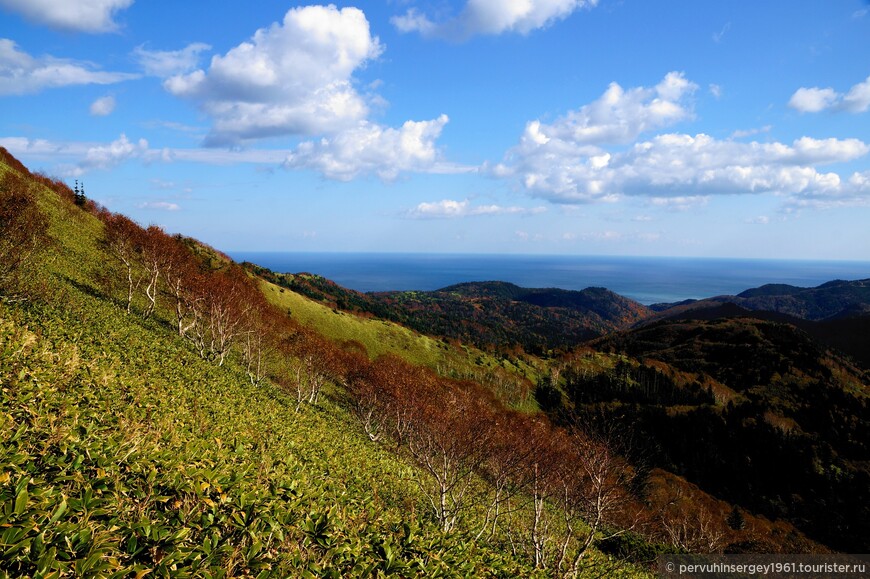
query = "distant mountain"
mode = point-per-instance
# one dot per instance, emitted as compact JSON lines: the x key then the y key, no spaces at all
{"x":832,"y":299}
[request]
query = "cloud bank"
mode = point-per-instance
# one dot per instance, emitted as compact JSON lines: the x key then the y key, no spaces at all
{"x":577,"y":159}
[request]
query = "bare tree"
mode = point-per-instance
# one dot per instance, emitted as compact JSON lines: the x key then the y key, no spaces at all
{"x":123,"y":239}
{"x":689,"y":525}
{"x":156,"y":258}
{"x":597,"y":504}
{"x":450,"y":439}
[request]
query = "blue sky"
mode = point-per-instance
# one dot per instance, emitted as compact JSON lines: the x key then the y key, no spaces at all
{"x":632,"y":127}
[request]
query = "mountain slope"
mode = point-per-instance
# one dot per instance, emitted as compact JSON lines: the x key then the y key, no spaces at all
{"x":133,"y":441}
{"x":753,"y":411}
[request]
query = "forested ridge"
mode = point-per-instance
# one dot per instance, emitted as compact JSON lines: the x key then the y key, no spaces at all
{"x":165,"y":412}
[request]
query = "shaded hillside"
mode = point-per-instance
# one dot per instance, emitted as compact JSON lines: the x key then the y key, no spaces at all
{"x":752,"y":411}
{"x":846,"y":333}
{"x":490,"y":315}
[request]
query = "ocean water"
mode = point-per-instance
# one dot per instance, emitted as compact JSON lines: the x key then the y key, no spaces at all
{"x":645,"y":279}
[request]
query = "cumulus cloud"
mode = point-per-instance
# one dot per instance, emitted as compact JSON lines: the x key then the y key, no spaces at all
{"x":166,"y":63}
{"x":21,"y":73}
{"x":293,"y":78}
{"x":492,"y":17}
{"x":113,"y":154}
{"x":103,"y":106}
{"x":619,"y":115}
{"x":372,"y":149}
{"x":78,"y":15}
{"x":566,"y":162}
{"x":814,"y":100}
{"x":680,"y":166}
{"x":448,"y":209}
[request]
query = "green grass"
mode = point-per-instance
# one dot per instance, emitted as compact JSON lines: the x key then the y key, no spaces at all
{"x":153,"y":450}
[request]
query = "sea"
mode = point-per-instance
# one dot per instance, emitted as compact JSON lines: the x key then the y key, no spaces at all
{"x":647,"y":280}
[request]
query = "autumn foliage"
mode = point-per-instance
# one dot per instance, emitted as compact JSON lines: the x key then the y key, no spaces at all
{"x":22,"y":231}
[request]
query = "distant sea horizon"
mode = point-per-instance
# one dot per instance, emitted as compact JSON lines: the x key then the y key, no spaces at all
{"x":647,"y":280}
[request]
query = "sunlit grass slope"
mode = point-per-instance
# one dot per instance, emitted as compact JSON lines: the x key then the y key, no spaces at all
{"x":380,"y":337}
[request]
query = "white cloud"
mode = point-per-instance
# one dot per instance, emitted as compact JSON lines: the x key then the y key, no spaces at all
{"x":364,"y":150}
{"x":814,"y":100}
{"x":21,"y":146}
{"x":103,"y":106}
{"x":78,"y":151}
{"x":620,"y":115}
{"x":115,"y":153}
{"x":449,"y":208}
{"x":716,"y":91}
{"x":78,"y":15}
{"x":160,"y":205}
{"x":492,"y":17}
{"x":742,"y":134}
{"x":166,"y":63}
{"x":563,"y":163}
{"x":857,"y":100}
{"x":372,"y":149}
{"x":294,"y":77}
{"x":21,"y":73}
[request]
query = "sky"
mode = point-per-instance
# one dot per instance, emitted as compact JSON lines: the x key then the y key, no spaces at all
{"x":581,"y":127}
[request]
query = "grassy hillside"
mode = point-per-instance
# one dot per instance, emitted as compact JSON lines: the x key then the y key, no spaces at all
{"x":124,"y":452}
{"x":510,"y":378}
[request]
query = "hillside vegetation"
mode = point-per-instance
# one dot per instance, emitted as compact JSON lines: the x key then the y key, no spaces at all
{"x":160,"y":418}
